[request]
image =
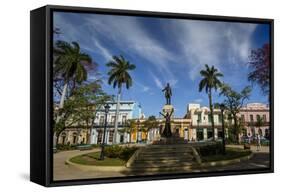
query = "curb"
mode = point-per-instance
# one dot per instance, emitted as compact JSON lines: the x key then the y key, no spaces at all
{"x":196,"y":155}
{"x":94,"y":167}
{"x":134,"y":156}
{"x":224,"y":162}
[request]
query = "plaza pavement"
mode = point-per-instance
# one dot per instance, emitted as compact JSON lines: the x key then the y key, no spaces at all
{"x":62,"y":171}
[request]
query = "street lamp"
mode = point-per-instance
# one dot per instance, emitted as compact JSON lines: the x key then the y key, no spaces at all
{"x":198,"y":128}
{"x":138,"y":130}
{"x":106,"y":110}
{"x":222,"y":107}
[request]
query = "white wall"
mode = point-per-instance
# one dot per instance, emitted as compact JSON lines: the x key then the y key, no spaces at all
{"x":14,"y":79}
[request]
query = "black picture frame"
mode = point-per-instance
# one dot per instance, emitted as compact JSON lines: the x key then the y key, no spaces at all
{"x":41,"y":155}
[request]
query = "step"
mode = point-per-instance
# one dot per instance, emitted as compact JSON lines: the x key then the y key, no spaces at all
{"x":189,"y":159}
{"x":169,"y":146}
{"x":167,"y":154}
{"x":161,"y":165}
{"x":184,"y":150}
{"x":160,"y":169}
{"x":159,"y":158}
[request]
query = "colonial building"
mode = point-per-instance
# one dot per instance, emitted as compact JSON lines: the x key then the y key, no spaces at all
{"x":128,"y":110}
{"x":194,"y":126}
{"x":255,"y":117}
{"x":201,"y":126}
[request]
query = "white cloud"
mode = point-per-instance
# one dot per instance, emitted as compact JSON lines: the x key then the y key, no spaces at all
{"x":127,"y":34}
{"x":197,"y":43}
{"x":210,"y":43}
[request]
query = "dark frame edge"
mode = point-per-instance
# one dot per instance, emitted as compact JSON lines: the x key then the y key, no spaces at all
{"x":47,"y":178}
{"x":38,"y":135}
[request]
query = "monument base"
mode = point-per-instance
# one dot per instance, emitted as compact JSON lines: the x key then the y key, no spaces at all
{"x":170,"y":140}
{"x":168,"y":109}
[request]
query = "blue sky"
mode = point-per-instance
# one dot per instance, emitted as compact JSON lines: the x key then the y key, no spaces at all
{"x":166,"y":50}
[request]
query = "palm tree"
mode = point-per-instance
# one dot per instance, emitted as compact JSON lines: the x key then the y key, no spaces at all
{"x":259,"y":124}
{"x":119,"y":75}
{"x":70,"y":64}
{"x":210,"y":80}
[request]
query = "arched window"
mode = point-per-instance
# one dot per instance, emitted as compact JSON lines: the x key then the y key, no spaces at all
{"x":74,"y":137}
{"x":63,"y":137}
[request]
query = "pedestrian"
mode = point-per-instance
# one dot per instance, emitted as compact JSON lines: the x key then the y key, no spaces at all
{"x":258,"y":142}
{"x":249,"y":138}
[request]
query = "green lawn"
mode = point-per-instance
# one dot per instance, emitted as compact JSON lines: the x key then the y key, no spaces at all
{"x":231,"y":153}
{"x":93,"y":159}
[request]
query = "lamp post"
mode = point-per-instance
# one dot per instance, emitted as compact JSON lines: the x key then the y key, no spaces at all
{"x":222,"y":107}
{"x":106,"y":110}
{"x":138,"y":129}
{"x":198,"y":128}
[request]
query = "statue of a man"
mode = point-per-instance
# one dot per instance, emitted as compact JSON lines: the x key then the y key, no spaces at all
{"x":167,"y":130}
{"x":168,"y":94}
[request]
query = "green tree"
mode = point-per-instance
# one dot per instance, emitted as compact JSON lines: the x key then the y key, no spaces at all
{"x":70,"y":64}
{"x":80,"y":109}
{"x":259,"y":124}
{"x":210,"y":80}
{"x":119,"y":75}
{"x":234,"y":102}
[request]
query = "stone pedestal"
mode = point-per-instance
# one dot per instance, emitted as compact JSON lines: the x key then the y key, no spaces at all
{"x":168,"y":109}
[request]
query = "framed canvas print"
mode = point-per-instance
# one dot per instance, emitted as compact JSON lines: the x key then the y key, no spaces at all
{"x":120,"y":95}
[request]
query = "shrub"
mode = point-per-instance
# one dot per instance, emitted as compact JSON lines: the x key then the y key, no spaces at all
{"x":62,"y":147}
{"x":127,"y":152}
{"x":113,"y":151}
{"x":210,"y":149}
{"x":116,"y":151}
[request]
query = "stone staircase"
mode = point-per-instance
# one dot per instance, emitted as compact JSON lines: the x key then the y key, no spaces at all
{"x":163,"y":158}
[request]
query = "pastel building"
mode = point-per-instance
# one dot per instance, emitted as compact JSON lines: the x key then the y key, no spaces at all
{"x":128,"y":110}
{"x":255,"y":117}
{"x":201,"y":126}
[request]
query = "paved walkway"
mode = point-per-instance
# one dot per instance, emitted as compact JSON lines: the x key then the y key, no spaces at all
{"x":62,"y":171}
{"x":65,"y":172}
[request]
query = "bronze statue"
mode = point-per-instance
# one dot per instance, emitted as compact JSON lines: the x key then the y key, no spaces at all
{"x":167,"y":130}
{"x":168,"y":94}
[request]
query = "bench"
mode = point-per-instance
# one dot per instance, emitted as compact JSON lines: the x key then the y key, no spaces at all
{"x":84,"y":147}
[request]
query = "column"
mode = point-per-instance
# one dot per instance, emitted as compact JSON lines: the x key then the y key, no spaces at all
{"x":185,"y":134}
{"x":216,"y":133}
{"x":205,"y":134}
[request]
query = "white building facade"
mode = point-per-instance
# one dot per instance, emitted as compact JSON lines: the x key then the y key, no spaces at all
{"x":201,"y":125}
{"x":127,"y":110}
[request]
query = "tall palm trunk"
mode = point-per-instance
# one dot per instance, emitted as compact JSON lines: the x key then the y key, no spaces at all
{"x":236,"y":127}
{"x":63,"y":95}
{"x":212,"y":112}
{"x":116,"y":116}
{"x":56,"y":137}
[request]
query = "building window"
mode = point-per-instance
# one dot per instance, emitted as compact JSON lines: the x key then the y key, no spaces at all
{"x":110,"y":139}
{"x":251,"y":118}
{"x":124,"y":119}
{"x":264,"y":118}
{"x":100,"y":136}
{"x":113,"y":119}
{"x":220,"y":118}
{"x":258,"y":117}
{"x":209,"y":118}
{"x":199,"y":118}
{"x":209,"y":133}
{"x":74,"y":138}
{"x":63,"y":138}
{"x":101,"y":120}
